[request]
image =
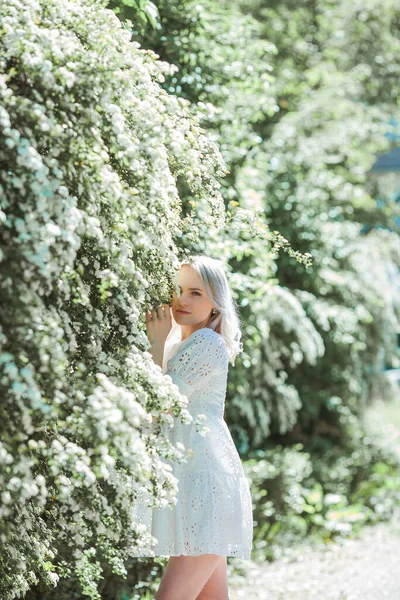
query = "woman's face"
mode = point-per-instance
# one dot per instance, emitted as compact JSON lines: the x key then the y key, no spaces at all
{"x":192,"y":299}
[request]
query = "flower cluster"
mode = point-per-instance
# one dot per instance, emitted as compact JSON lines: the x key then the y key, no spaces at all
{"x":94,"y":156}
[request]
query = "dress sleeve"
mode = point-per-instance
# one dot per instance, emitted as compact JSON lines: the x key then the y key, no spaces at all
{"x":196,"y":363}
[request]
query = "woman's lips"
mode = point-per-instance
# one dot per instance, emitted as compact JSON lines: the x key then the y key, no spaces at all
{"x":183,"y":312}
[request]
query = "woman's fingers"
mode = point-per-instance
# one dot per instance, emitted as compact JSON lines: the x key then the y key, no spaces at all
{"x":163,"y":311}
{"x":166,"y":311}
{"x":160,"y":312}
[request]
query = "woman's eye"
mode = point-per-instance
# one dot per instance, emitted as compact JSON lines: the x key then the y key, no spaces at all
{"x":198,"y":293}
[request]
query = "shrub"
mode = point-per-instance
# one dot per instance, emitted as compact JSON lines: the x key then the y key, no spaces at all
{"x":94,"y":154}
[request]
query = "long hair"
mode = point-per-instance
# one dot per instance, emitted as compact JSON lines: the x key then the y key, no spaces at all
{"x":226,"y":321}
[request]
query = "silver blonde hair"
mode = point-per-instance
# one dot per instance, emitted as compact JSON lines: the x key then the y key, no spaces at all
{"x":226,"y":321}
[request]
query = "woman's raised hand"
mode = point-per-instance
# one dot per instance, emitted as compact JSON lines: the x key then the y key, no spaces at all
{"x":158,"y":324}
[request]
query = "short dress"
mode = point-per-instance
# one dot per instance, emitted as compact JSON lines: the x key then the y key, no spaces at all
{"x":213,"y":514}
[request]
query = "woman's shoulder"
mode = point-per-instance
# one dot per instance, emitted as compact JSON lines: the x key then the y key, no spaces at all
{"x":202,"y":340}
{"x":204,"y":344}
{"x":206,"y":333}
{"x":206,"y":340}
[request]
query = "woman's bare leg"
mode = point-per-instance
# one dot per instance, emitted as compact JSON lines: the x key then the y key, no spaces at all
{"x":184,"y":576}
{"x":216,"y":588}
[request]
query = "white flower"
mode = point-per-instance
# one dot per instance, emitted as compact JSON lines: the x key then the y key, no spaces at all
{"x":6,"y":497}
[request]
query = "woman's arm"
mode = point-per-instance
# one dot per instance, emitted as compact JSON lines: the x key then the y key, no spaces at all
{"x":157,"y":352}
{"x":158,"y":323}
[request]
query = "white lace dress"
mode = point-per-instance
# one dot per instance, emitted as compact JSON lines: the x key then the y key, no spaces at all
{"x":213,"y":514}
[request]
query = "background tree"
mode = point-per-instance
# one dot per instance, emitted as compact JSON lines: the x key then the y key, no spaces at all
{"x":312,"y":178}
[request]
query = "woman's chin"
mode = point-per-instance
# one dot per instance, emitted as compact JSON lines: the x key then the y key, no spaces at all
{"x":180,"y":316}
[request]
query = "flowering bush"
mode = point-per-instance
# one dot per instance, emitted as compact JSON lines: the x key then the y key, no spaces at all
{"x":94,"y":155}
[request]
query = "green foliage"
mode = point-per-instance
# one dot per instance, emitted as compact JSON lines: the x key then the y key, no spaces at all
{"x":298,"y":495}
{"x":311,"y":175}
{"x":143,"y":12}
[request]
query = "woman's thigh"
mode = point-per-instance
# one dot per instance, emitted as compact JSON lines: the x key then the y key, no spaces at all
{"x":185,"y":576}
{"x":216,"y":588}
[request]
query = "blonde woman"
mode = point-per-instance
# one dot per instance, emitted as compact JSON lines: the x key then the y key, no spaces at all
{"x":193,"y":340}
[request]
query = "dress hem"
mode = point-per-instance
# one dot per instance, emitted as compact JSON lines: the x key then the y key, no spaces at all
{"x":241,"y":557}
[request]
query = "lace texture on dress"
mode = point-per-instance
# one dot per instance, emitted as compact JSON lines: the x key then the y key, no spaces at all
{"x":213,"y":513}
{"x":199,"y":358}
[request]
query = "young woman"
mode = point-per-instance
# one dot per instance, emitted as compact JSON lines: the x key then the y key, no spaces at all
{"x":213,"y":515}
